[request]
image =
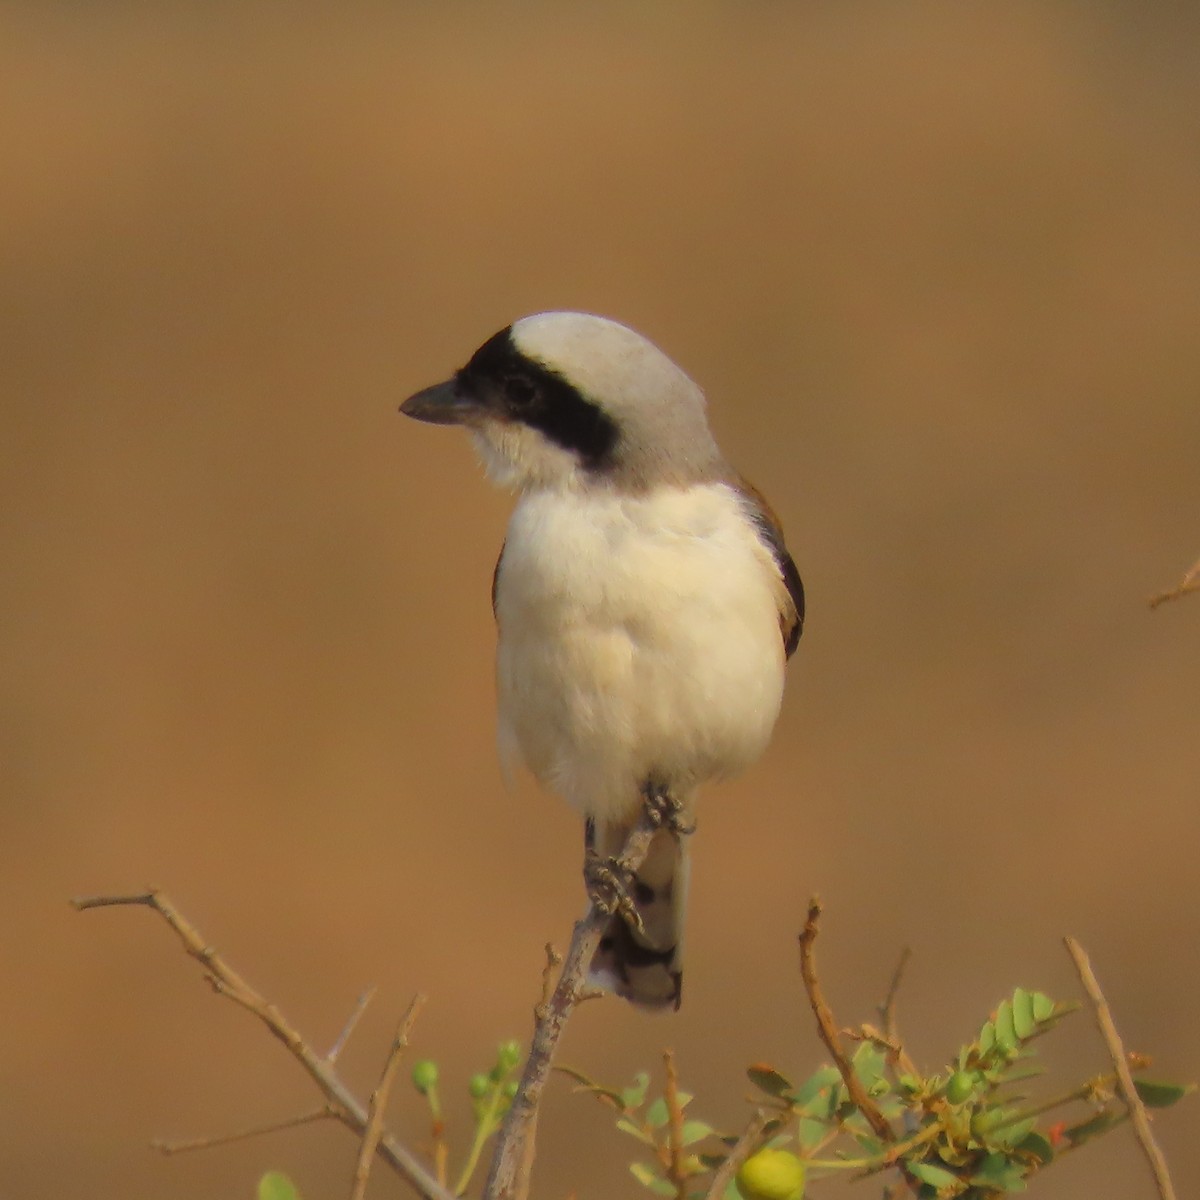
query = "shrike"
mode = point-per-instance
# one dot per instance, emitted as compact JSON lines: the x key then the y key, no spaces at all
{"x":645,"y":601}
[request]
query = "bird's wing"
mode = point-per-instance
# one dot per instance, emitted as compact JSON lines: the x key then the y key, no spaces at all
{"x":496,"y":576}
{"x":766,"y":523}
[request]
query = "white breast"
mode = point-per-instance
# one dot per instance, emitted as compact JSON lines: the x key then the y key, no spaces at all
{"x":639,"y":638}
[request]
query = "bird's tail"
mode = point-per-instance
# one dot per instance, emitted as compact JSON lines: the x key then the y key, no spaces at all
{"x":645,"y":965}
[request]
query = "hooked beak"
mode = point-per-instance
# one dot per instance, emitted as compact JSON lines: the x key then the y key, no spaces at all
{"x":443,"y":404}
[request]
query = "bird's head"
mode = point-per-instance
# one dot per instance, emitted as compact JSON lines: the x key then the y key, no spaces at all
{"x":570,"y":400}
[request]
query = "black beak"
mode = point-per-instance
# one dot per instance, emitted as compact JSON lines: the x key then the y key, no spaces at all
{"x":443,"y":404}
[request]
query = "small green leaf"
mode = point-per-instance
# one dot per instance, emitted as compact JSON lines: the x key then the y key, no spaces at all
{"x":1013,"y":1135}
{"x":1038,"y":1146}
{"x":1043,"y":1007}
{"x":636,"y":1131}
{"x":808,"y":1097}
{"x":656,"y":1114}
{"x":1024,"y":1022}
{"x":872,"y":1146}
{"x":648,"y":1177}
{"x":987,"y":1038}
{"x":695,"y":1131}
{"x":1006,"y":1033}
{"x":1000,"y":1172}
{"x":632,"y":1097}
{"x":1161,"y":1095}
{"x":1100,"y":1123}
{"x":275,"y":1185}
{"x":769,"y":1080}
{"x":810,"y":1133}
{"x":868,"y":1063}
{"x":937,"y":1177}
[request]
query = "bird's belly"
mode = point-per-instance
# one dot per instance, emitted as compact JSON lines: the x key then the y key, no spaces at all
{"x":662,"y":662}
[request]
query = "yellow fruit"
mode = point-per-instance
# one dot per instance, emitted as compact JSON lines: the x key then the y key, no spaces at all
{"x":772,"y":1175}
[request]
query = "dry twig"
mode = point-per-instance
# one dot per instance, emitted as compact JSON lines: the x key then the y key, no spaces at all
{"x":828,"y":1029}
{"x":352,"y":1020}
{"x":227,"y":982}
{"x":897,"y":1055}
{"x":224,"y":1139}
{"x":1120,"y":1058}
{"x":738,"y":1155}
{"x":1189,"y":583}
{"x":512,"y":1160}
{"x":379,"y":1099}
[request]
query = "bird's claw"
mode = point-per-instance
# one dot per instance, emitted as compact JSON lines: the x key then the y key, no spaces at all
{"x":666,"y":811}
{"x":610,"y":887}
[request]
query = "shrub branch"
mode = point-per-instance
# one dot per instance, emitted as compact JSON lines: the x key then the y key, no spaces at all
{"x":225,"y":981}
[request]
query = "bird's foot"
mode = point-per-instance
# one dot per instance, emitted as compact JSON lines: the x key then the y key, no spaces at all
{"x":666,"y":811}
{"x":610,"y":885}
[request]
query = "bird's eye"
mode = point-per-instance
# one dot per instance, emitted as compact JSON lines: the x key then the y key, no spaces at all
{"x":520,"y":392}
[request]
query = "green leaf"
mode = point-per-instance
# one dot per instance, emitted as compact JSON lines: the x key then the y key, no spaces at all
{"x":1100,"y":1123}
{"x":810,"y":1133}
{"x":1161,"y":1095}
{"x":632,"y":1097}
{"x":695,"y":1131}
{"x":808,"y":1097}
{"x":769,"y":1080}
{"x":1024,"y":1023}
{"x":937,"y":1177}
{"x":1006,"y":1033}
{"x":275,"y":1185}
{"x":872,"y":1146}
{"x":1043,"y":1007}
{"x":868,"y":1063}
{"x":1013,"y":1135}
{"x":636,"y":1131}
{"x":1037,"y":1146}
{"x":987,"y":1038}
{"x":656,"y":1114}
{"x":998,"y":1171}
{"x":648,"y":1177}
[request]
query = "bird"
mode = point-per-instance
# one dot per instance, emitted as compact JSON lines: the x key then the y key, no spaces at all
{"x":645,"y":602}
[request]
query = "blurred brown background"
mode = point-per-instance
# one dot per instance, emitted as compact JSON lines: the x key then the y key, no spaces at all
{"x":936,"y":267}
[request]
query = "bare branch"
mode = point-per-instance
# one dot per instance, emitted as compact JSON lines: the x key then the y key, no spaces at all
{"x":227,"y":982}
{"x":1120,"y":1058}
{"x":738,"y":1155}
{"x":828,"y":1029}
{"x":223,"y":1139}
{"x":512,"y":1160}
{"x":1189,"y":583}
{"x":379,"y":1099}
